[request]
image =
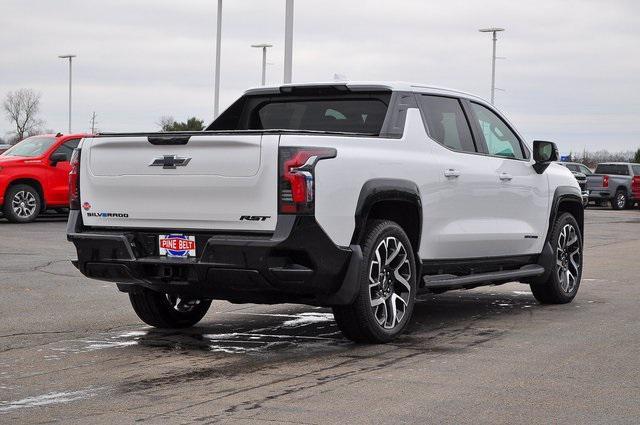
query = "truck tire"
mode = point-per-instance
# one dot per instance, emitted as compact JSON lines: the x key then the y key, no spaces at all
{"x":562,"y":285}
{"x":620,"y":200}
{"x":384,"y":304}
{"x":22,"y":204}
{"x":167,"y":311}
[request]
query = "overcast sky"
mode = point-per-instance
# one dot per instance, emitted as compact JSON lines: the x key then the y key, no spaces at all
{"x":571,"y":73}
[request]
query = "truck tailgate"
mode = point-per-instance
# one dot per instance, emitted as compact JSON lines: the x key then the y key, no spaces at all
{"x":211,"y":182}
{"x":595,"y":182}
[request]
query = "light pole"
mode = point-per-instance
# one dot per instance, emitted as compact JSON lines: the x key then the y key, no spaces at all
{"x":216,"y":90}
{"x":493,"y":59}
{"x":264,"y":48}
{"x":288,"y":41}
{"x":70,"y":57}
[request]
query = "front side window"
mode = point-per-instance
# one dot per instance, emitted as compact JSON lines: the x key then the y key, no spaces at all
{"x":572,"y":167}
{"x":31,"y":147}
{"x":500,"y":140}
{"x":67,"y":148}
{"x":447,"y":123}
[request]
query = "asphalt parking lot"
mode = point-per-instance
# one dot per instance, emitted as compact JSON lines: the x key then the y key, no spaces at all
{"x":72,"y":350}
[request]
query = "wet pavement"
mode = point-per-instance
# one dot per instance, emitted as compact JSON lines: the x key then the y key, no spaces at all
{"x":72,"y":350}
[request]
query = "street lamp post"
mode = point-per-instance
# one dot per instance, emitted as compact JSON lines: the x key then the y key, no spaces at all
{"x":288,"y":41}
{"x":264,"y":48}
{"x":216,"y":89}
{"x":70,"y":57}
{"x":493,"y":60}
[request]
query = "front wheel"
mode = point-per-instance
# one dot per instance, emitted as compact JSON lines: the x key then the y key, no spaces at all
{"x":564,"y":280}
{"x":168,"y":311}
{"x":22,"y":203}
{"x":387,"y":293}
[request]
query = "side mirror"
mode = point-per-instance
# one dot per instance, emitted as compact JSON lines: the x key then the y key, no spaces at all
{"x":57,"y":157}
{"x":544,"y":153}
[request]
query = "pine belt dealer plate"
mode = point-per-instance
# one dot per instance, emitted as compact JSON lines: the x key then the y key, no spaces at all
{"x":177,"y":245}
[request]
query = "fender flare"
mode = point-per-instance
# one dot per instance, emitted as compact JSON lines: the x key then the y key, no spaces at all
{"x":565,"y":194}
{"x":562,"y":194}
{"x":377,"y":190}
{"x":16,"y":179}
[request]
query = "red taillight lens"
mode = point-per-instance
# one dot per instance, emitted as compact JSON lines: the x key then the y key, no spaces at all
{"x":605,"y":181}
{"x":635,"y":184}
{"x":74,"y":181}
{"x":297,"y":181}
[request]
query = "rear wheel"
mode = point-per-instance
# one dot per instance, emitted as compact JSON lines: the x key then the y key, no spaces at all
{"x":22,"y":204}
{"x":564,"y":281}
{"x":166,"y":310}
{"x":620,"y":200}
{"x":387,"y":293}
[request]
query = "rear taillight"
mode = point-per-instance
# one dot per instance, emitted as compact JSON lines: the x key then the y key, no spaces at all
{"x":605,"y":181}
{"x":74,"y":181}
{"x":635,"y":184}
{"x":296,"y":187}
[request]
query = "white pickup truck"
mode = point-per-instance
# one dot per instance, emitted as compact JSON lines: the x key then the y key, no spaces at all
{"x":355,"y":196}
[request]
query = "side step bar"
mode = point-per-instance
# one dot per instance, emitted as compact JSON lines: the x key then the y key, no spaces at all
{"x":452,"y":281}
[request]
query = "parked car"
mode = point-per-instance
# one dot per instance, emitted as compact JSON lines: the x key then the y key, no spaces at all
{"x":4,"y":147}
{"x":354,"y":196}
{"x":579,"y":172}
{"x":34,"y":175}
{"x":616,"y":182}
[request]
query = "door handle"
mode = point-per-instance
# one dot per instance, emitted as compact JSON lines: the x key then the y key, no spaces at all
{"x":505,"y":176}
{"x":451,"y":173}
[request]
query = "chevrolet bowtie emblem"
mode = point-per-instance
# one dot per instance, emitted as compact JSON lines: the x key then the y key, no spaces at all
{"x":169,"y":161}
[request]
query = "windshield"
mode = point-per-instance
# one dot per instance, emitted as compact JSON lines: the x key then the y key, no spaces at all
{"x":584,"y":170}
{"x":31,"y":147}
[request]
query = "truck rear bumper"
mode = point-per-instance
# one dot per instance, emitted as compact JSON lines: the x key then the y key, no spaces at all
{"x":297,"y":263}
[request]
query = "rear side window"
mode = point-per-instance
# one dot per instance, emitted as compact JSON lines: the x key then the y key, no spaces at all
{"x":447,"y":123}
{"x":359,"y":112}
{"x":636,"y":170}
{"x":572,"y":167}
{"x":500,"y":140}
{"x":615,"y":169}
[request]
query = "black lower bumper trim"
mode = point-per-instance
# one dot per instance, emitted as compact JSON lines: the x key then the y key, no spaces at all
{"x":298,"y":263}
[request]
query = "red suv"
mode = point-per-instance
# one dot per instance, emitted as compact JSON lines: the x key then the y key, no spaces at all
{"x":34,"y":175}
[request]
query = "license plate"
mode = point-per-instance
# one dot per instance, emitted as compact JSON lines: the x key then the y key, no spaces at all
{"x":177,"y":245}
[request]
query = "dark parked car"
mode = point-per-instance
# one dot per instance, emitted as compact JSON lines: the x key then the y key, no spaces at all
{"x":580,"y":172}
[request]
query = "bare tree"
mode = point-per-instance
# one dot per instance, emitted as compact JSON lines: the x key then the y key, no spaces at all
{"x":22,"y":108}
{"x":591,"y":159}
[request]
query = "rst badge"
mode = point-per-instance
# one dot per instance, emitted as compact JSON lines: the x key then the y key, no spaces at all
{"x":177,"y":245}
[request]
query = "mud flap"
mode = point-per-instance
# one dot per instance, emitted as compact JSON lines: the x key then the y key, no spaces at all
{"x":351,"y":283}
{"x":546,"y":260}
